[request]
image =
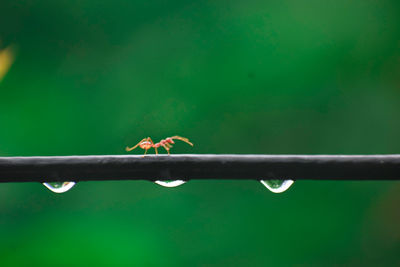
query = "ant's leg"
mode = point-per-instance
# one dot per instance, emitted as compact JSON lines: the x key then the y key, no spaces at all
{"x":166,"y":148}
{"x":145,"y":152}
{"x":132,"y":148}
{"x":152,"y":144}
{"x":151,"y":141}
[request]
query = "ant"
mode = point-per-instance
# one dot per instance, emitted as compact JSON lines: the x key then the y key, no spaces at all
{"x":147,"y":143}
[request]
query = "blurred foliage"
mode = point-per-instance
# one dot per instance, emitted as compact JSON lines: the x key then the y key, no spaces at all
{"x":6,"y":60}
{"x":260,"y":77}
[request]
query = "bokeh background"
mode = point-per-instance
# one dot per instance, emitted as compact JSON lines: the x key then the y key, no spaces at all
{"x":262,"y":77}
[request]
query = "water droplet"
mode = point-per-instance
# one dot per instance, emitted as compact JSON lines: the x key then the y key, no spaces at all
{"x":277,"y":186}
{"x":172,"y":183}
{"x":59,"y":187}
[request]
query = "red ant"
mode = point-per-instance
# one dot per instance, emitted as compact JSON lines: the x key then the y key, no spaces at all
{"x":147,"y":143}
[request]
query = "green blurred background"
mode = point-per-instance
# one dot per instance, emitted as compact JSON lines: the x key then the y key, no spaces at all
{"x":262,"y":77}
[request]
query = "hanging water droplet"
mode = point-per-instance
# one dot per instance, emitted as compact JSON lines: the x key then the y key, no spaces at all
{"x":172,"y":183}
{"x":277,"y":186}
{"x":59,"y":187}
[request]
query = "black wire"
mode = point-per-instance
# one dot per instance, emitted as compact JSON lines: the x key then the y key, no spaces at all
{"x":186,"y":167}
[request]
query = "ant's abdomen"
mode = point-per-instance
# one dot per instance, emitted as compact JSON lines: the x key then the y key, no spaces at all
{"x":145,"y":145}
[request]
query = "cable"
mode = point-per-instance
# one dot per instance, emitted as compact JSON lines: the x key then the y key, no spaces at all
{"x":196,"y":166}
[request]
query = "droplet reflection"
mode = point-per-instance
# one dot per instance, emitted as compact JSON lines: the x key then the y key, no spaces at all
{"x":277,"y":186}
{"x":173,"y":183}
{"x":59,"y":187}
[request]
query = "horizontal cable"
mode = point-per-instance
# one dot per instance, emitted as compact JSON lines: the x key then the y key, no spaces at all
{"x":196,"y":166}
